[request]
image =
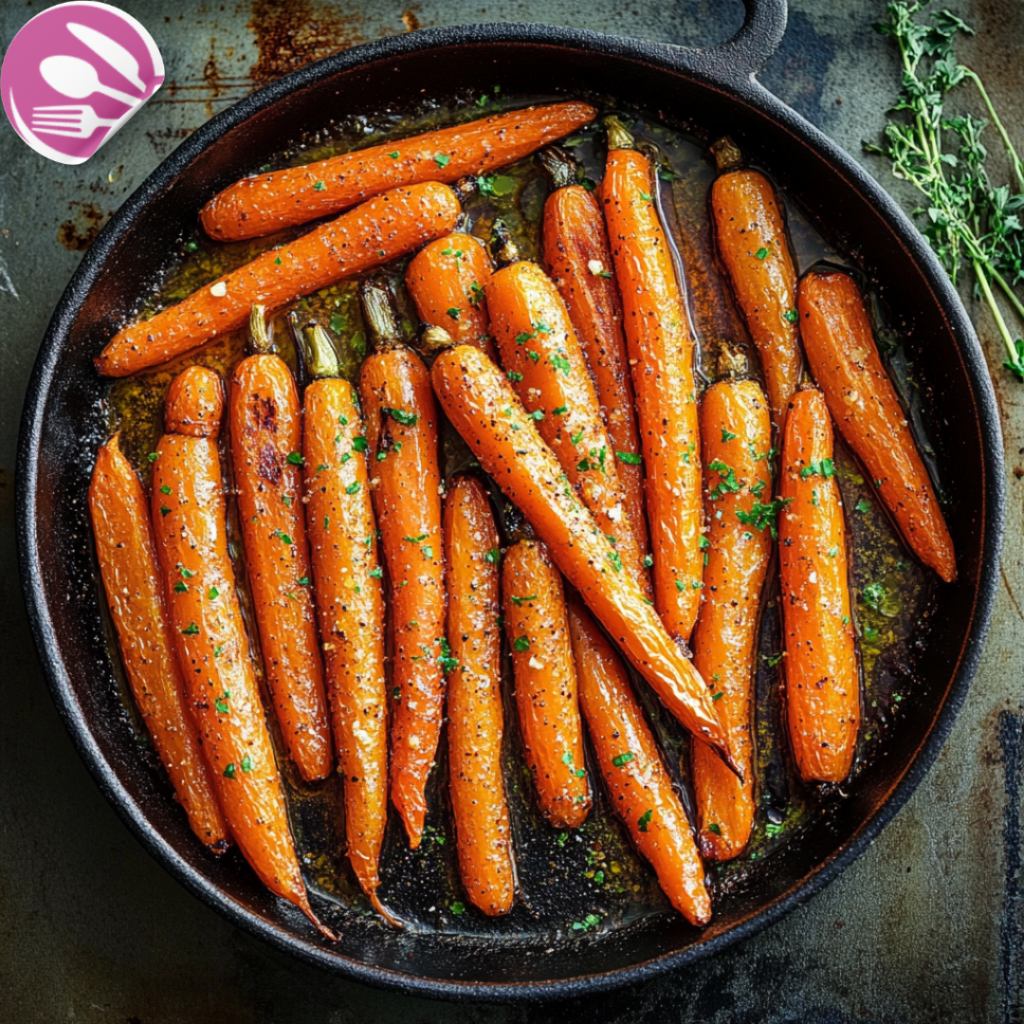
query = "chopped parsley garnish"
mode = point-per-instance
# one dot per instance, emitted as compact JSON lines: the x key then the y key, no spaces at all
{"x":180,"y":587}
{"x":559,"y":362}
{"x":191,"y":629}
{"x":360,"y":444}
{"x":824,"y":467}
{"x":623,"y":759}
{"x":442,"y":159}
{"x":407,"y":419}
{"x":629,"y":458}
{"x":377,"y":572}
{"x":874,"y":596}
{"x":728,"y":435}
{"x":446,"y":661}
{"x":492,"y":556}
{"x":153,"y":456}
{"x":519,"y":601}
{"x":352,"y":487}
{"x":213,"y":593}
{"x":714,"y":828}
{"x":560,"y":411}
{"x":728,"y":484}
{"x":296,"y":459}
{"x":514,"y":376}
{"x":229,"y":772}
{"x":165,"y":489}
{"x":522,"y":643}
{"x":458,"y":907}
{"x":644,"y":820}
{"x":615,"y":559}
{"x":454,"y":312}
{"x":577,"y":437}
{"x":763,"y":515}
{"x":791,"y":315}
{"x":762,"y":253}
{"x":863,"y":505}
{"x":246,"y":764}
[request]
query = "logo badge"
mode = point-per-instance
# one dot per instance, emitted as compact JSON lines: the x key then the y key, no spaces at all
{"x":74,"y":74}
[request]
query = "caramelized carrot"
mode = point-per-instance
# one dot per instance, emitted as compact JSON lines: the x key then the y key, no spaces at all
{"x":628,"y":757}
{"x":271,"y":201}
{"x":735,"y":429}
{"x":544,"y":361}
{"x":752,"y":242}
{"x":580,"y":262}
{"x":350,"y":602}
{"x":546,"y":695}
{"x":213,"y":650}
{"x":266,"y":433}
{"x":822,"y":680}
{"x":475,"y":716}
{"x":378,"y":231}
{"x":134,"y":588}
{"x":844,"y":358}
{"x":448,"y":281}
{"x":402,"y":430}
{"x":661,"y":353}
{"x":485,"y":410}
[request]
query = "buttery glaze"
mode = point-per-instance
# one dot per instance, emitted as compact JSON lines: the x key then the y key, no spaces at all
{"x":475,"y":714}
{"x":661,"y":353}
{"x":628,"y":756}
{"x":844,"y":358}
{"x":485,"y":410}
{"x":135,"y":593}
{"x":545,"y":683}
{"x":266,"y":437}
{"x":736,"y":439}
{"x":213,"y":650}
{"x":822,"y":674}
{"x":578,"y":256}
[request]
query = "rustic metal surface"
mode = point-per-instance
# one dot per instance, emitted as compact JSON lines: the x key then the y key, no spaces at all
{"x":928,"y":925}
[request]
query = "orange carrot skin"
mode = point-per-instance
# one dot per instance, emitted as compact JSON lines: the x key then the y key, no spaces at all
{"x":545,"y":363}
{"x":628,"y":757}
{"x":546,"y":693}
{"x":844,"y":359}
{"x":448,"y":281}
{"x":735,"y":427}
{"x":661,"y":351}
{"x":380,"y":230}
{"x":483,"y":408}
{"x":575,"y":247}
{"x":395,"y":387}
{"x":134,"y":588}
{"x":475,"y":715}
{"x":213,"y":650}
{"x":265,"y":430}
{"x":271,"y":201}
{"x":752,"y":242}
{"x":350,"y":604}
{"x":822,"y":678}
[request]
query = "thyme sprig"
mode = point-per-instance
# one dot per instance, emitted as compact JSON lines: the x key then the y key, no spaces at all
{"x":967,"y":221}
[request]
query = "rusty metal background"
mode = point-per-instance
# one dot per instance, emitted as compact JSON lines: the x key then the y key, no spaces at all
{"x":927,"y":926}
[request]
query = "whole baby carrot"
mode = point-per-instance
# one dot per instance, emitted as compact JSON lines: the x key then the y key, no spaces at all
{"x":475,"y":716}
{"x":213,"y":650}
{"x":822,"y":679}
{"x":387,"y":226}
{"x":751,"y":235}
{"x":271,"y":201}
{"x":638,"y":783}
{"x":546,"y":694}
{"x":135,"y":595}
{"x":844,"y":358}
{"x":402,"y":432}
{"x":579,"y":260}
{"x":266,"y":433}
{"x":350,"y":602}
{"x":545,"y":364}
{"x":448,"y":281}
{"x":485,"y":410}
{"x":661,"y":351}
{"x":735,"y":427}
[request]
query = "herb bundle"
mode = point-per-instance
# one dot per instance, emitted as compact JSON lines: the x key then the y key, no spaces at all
{"x":967,"y":221}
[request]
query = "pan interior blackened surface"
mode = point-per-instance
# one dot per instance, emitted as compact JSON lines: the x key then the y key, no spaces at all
{"x":447,"y":943}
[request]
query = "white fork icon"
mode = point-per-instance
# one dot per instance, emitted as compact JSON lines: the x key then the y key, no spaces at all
{"x":75,"y":121}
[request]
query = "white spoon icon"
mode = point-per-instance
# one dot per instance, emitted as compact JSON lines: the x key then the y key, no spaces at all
{"x":77,"y":78}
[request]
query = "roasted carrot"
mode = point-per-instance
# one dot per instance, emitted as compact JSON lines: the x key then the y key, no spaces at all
{"x":735,"y":427}
{"x":402,"y":430}
{"x":135,"y":595}
{"x":661,"y":353}
{"x":751,"y":236}
{"x":448,"y":281}
{"x":266,"y":435}
{"x":485,"y":410}
{"x":579,"y":260}
{"x":844,"y":358}
{"x":628,"y":757}
{"x":475,"y":717}
{"x":547,"y":699}
{"x":350,"y":602}
{"x":378,"y":231}
{"x":271,"y":201}
{"x":213,"y":650}
{"x":543,"y":359}
{"x":822,"y":679}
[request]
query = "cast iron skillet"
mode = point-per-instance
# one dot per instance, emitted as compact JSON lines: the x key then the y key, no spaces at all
{"x":706,"y":92}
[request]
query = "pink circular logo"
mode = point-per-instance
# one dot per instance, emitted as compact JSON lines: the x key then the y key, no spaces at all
{"x":74,"y":74}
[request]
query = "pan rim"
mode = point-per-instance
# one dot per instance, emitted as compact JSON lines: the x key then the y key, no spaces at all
{"x":741,"y":87}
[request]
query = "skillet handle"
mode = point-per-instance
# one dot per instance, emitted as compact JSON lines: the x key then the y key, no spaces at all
{"x":741,"y":58}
